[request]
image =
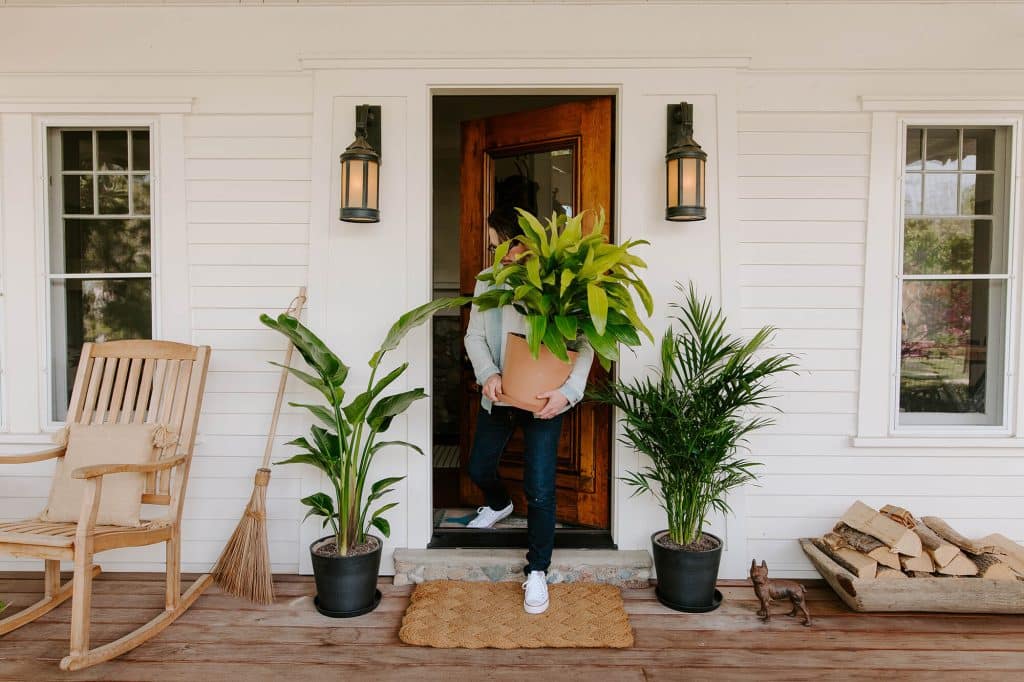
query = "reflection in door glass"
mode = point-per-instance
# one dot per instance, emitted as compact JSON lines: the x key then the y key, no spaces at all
{"x":540,"y":182}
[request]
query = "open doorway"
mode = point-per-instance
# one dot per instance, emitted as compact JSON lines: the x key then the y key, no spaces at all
{"x":548,"y":154}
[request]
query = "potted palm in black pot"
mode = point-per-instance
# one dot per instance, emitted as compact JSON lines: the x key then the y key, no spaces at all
{"x":343,"y":446}
{"x":691,"y":418}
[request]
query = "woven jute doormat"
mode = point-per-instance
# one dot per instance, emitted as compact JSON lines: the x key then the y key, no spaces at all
{"x":450,"y":614}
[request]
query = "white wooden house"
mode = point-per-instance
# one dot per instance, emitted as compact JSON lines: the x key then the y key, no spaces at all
{"x":821,"y":120}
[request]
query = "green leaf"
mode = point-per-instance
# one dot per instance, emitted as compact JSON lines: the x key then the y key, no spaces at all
{"x":536,"y":326}
{"x":312,"y":349}
{"x":381,"y":524}
{"x":382,"y":509}
{"x":567,"y":277}
{"x":597,"y":301}
{"x":319,"y":504}
{"x":412,"y":319}
{"x":555,"y":343}
{"x":313,"y":381}
{"x":314,"y":460}
{"x":500,"y":253}
{"x":391,"y":406}
{"x":567,"y":325}
{"x":356,"y":410}
{"x":379,"y":445}
{"x":320,"y":412}
{"x":604,"y":345}
{"x":533,"y":272}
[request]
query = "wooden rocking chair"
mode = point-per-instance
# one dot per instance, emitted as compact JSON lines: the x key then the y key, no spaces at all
{"x":118,"y":382}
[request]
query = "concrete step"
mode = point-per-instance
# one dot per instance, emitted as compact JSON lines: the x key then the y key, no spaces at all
{"x":626,"y":568}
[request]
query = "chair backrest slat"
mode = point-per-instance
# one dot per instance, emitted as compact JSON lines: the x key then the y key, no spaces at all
{"x":156,"y":382}
{"x":131,"y":390}
{"x":99,"y":414}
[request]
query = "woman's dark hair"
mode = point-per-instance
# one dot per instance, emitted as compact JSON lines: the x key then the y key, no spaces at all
{"x":511,"y":192}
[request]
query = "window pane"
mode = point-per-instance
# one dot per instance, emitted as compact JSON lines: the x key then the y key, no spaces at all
{"x":140,"y":194}
{"x":113,"y":194}
{"x":113,"y":149}
{"x":952,"y":246}
{"x":948,"y":330}
{"x":979,"y":149}
{"x":105,"y":246}
{"x":976,"y":194}
{"x":140,"y":150}
{"x":76,"y":149}
{"x":93,"y":310}
{"x":939,"y":194}
{"x":915,"y":144}
{"x":78,"y":194}
{"x":912,"y":193}
{"x":943,"y":148}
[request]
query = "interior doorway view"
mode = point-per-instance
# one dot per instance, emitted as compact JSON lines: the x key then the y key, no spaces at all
{"x":547,"y":154}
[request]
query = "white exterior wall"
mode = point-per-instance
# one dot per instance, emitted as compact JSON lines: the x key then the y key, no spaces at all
{"x":777,"y":89}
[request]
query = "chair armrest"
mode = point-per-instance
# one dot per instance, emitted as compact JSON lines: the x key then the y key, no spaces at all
{"x":34,"y":456}
{"x":104,"y":469}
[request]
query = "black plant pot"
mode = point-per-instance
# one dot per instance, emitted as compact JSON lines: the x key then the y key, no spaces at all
{"x":346,"y":586}
{"x":686,"y":580}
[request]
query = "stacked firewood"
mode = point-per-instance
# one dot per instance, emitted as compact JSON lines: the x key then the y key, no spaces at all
{"x":891,"y":544}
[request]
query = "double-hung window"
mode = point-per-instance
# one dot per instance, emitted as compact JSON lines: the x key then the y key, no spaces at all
{"x":953,"y":277}
{"x":99,"y":245}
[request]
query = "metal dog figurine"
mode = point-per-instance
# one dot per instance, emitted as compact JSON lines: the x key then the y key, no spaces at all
{"x":767,"y":590}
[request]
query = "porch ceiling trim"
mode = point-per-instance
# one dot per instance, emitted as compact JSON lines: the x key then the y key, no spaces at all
{"x":554,"y":60}
{"x":96,"y":105}
{"x":934,"y":103}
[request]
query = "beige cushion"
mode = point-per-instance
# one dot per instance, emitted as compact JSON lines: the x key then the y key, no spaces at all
{"x":121,"y":494}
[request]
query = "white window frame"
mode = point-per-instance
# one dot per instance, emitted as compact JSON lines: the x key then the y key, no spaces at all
{"x":54,"y":172}
{"x":926,"y":423}
{"x":878,"y":419}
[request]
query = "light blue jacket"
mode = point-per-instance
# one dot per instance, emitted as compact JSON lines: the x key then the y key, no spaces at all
{"x":485,"y":345}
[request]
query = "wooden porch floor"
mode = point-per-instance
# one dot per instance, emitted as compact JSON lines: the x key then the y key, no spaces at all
{"x":221,"y":639}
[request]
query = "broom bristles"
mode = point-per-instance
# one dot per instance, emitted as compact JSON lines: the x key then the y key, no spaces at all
{"x":243,"y":569}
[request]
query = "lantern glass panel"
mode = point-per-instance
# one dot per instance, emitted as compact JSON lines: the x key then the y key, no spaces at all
{"x":689,"y":193}
{"x":672,"y":195}
{"x":356,"y":171}
{"x":372,"y":188}
{"x":344,"y":184}
{"x":702,"y":194}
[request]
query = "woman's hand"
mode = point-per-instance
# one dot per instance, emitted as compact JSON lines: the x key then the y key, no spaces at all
{"x":556,"y":403}
{"x":492,"y":388}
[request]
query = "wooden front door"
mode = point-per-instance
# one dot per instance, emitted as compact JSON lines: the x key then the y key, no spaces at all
{"x":562,"y":156}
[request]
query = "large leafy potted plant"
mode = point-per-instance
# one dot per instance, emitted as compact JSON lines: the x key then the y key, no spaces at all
{"x":346,"y":562}
{"x":568,"y":285}
{"x":691,"y":418}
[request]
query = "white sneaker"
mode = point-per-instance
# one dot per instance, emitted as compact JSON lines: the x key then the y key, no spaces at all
{"x":535,"y":597}
{"x":487,"y":517}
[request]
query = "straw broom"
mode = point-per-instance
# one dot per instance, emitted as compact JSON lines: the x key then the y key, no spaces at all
{"x":244,"y":566}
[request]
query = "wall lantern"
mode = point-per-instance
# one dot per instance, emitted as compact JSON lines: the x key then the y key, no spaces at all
{"x":685,"y":164}
{"x":360,"y":169}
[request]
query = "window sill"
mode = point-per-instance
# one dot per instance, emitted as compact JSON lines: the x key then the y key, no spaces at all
{"x":937,"y":441}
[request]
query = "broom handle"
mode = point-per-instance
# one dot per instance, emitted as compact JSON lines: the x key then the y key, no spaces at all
{"x":294,"y":309}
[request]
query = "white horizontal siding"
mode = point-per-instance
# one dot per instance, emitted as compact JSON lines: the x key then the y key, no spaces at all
{"x":803,"y":203}
{"x":248,"y":194}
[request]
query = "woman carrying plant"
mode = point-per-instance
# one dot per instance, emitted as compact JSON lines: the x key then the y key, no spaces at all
{"x":497,"y":421}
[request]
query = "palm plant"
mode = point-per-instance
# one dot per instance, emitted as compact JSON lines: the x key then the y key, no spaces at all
{"x":567,"y":284}
{"x":692,"y":416}
{"x":345,"y":449}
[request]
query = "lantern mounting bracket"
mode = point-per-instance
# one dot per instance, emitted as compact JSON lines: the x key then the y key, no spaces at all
{"x":368,"y":125}
{"x":680,"y":124}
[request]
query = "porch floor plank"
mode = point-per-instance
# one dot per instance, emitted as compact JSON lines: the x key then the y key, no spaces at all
{"x":227,"y":639}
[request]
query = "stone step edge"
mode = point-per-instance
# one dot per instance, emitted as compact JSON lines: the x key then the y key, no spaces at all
{"x":625,"y":568}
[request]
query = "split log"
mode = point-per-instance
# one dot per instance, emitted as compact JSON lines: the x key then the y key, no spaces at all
{"x":899,"y":515}
{"x":960,"y":565}
{"x":942,"y":552}
{"x":918,"y":564}
{"x":989,"y":566}
{"x":886,"y":573}
{"x":898,"y":537}
{"x":860,"y":565}
{"x":1009,"y":551}
{"x":862,"y":542}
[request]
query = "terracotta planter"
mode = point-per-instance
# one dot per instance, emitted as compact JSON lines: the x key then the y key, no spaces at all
{"x":524,"y":377}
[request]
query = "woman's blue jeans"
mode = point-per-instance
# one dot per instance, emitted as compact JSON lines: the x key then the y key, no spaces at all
{"x":494,"y":429}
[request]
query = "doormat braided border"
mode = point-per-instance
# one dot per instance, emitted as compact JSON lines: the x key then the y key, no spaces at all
{"x":449,"y":614}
